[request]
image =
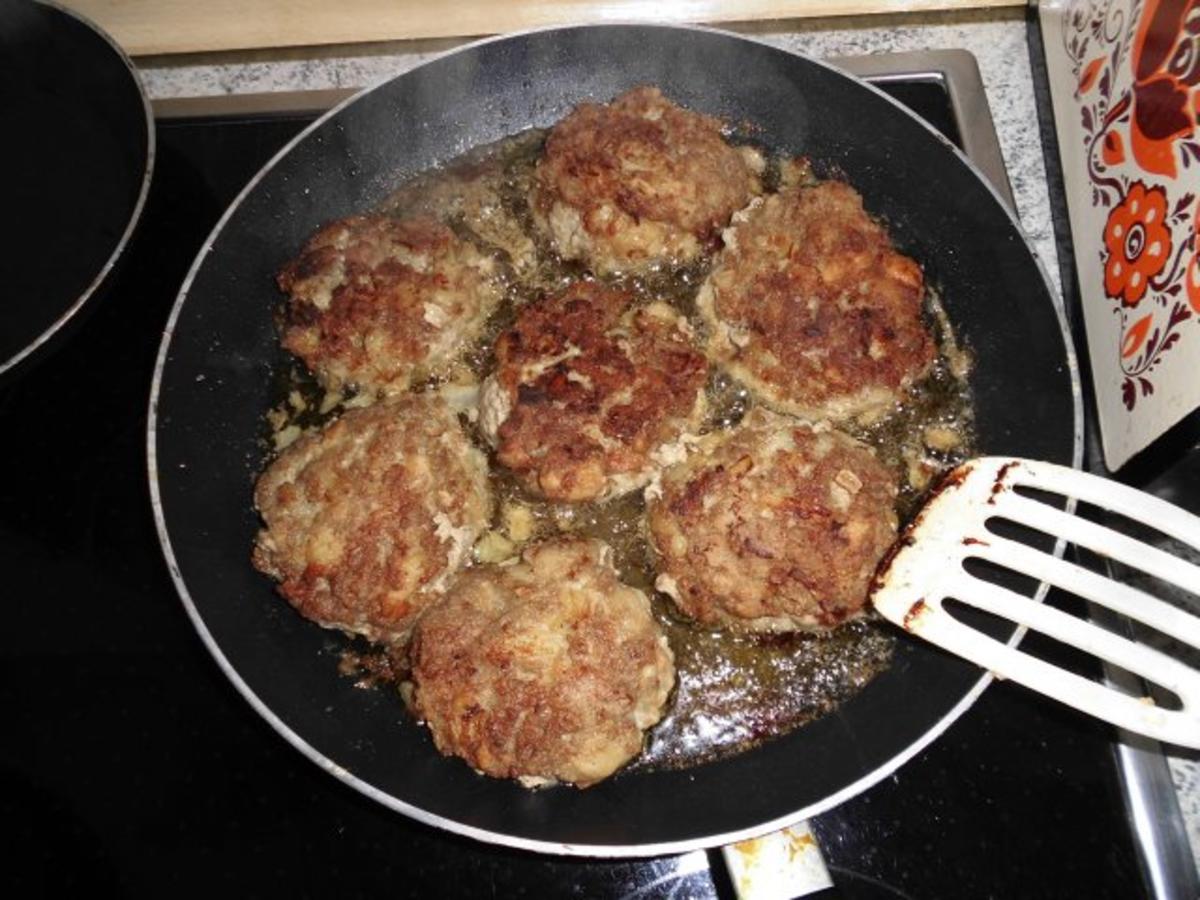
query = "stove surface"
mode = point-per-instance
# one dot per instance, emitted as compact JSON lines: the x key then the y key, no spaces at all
{"x":133,"y":766}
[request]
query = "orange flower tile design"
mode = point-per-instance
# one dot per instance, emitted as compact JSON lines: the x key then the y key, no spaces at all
{"x":1137,"y":76}
{"x":1138,"y":243}
{"x":1166,"y":66}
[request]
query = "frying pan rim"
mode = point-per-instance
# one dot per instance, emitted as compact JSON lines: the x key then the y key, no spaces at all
{"x":612,"y":851}
{"x":134,"y":217}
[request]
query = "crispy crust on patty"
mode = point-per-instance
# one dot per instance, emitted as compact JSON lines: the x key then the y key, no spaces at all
{"x":810,"y":306}
{"x":776,"y":527}
{"x":548,"y":669}
{"x":587,"y":388}
{"x":379,"y":302}
{"x":639,"y":182}
{"x":367,"y":519}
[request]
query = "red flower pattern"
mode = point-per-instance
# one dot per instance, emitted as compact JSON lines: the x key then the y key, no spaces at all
{"x":1138,"y":243}
{"x":1191,"y":279}
{"x":1166,"y":70}
{"x":1136,"y":65}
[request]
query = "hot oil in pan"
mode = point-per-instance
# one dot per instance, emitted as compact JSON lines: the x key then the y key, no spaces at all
{"x":733,"y":691}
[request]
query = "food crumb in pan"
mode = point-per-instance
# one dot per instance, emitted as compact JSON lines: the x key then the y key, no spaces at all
{"x":493,"y":547}
{"x":920,"y":471}
{"x":941,"y":438}
{"x":519,"y":521}
{"x":286,"y":436}
{"x":329,"y":401}
{"x":795,"y":172}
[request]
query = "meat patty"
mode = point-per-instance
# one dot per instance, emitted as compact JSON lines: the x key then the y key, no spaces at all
{"x":774,"y":527}
{"x":811,"y":308}
{"x":547,"y":670}
{"x":367,"y":519}
{"x":639,"y":182}
{"x":587,"y":388}
{"x":380,"y":303}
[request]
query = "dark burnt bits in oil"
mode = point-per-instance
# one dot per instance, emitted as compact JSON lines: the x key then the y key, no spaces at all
{"x":733,"y":691}
{"x":370,"y":667}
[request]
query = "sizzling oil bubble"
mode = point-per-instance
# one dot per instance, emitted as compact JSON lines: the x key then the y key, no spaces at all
{"x":733,"y":691}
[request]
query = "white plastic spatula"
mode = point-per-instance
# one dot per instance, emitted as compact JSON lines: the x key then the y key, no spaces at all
{"x":927,"y":568}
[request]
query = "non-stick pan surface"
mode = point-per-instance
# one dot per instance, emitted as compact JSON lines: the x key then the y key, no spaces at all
{"x":220,"y":352}
{"x":76,"y":158}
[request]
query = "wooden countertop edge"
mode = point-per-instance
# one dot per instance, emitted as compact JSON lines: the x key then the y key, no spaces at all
{"x":167,"y":27}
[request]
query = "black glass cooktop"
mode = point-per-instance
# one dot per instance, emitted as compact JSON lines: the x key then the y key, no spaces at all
{"x":131,"y":766}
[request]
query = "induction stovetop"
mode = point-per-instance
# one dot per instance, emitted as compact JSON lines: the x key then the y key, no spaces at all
{"x":132,"y":766}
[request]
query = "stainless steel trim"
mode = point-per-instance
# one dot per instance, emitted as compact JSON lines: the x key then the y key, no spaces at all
{"x":278,"y":102}
{"x":1153,"y":809}
{"x":959,"y":72}
{"x":1150,"y":798}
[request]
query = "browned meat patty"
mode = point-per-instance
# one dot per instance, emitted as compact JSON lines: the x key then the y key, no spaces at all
{"x":587,"y":388}
{"x":639,"y":182}
{"x":367,"y":519}
{"x":775,"y":527}
{"x":547,"y":670}
{"x":811,"y":307}
{"x":381,"y":303}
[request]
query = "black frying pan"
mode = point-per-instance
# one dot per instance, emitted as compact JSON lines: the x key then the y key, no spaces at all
{"x":76,"y":157}
{"x":213,"y":385}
